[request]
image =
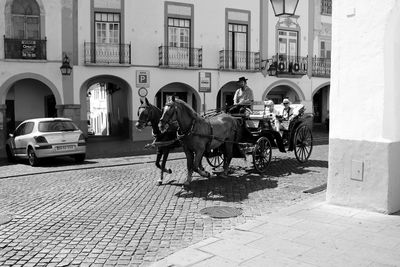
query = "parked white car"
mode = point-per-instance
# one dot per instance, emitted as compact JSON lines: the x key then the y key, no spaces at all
{"x":46,"y":137}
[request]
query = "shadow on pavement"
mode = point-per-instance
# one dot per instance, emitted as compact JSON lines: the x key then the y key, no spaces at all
{"x":245,"y":180}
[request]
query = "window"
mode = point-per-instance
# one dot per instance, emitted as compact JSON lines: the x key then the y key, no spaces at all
{"x":325,"y":49}
{"x":25,"y":16}
{"x":178,"y":32}
{"x":237,"y":45}
{"x":107,"y":28}
{"x":326,"y":7}
{"x":287,"y":44}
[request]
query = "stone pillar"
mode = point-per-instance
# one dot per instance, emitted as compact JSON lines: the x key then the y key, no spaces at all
{"x":71,"y":111}
{"x":3,"y":127}
{"x":364,"y":151}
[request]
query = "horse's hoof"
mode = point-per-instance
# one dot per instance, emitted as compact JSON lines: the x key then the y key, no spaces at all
{"x":169,"y":171}
{"x":159,"y":182}
{"x":186,"y":186}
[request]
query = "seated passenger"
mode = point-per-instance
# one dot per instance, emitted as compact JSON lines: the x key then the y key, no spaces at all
{"x":272,"y":113}
{"x":287,"y":115}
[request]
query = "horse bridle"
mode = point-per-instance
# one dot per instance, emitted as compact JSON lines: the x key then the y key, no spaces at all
{"x":167,"y":121}
{"x":145,"y":122}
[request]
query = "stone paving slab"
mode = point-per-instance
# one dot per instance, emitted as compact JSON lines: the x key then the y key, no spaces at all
{"x":113,"y":214}
{"x":331,"y":243}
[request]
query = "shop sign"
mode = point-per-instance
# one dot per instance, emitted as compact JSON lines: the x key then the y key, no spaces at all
{"x":28,"y":49}
{"x":205,"y":82}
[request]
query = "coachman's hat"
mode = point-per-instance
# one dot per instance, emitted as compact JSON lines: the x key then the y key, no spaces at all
{"x":242,"y":79}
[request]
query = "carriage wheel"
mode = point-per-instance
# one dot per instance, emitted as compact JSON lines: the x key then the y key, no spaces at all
{"x":303,"y":143}
{"x":262,"y":154}
{"x":216,"y":160}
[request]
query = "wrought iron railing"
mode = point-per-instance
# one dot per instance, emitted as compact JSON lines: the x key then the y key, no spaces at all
{"x":180,"y":57}
{"x":321,"y":67}
{"x":326,"y":7}
{"x":24,"y":49}
{"x":98,"y":53}
{"x":239,"y":60}
{"x":290,"y":65}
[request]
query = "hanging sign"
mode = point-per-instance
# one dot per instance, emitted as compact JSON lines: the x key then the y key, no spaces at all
{"x":205,"y":82}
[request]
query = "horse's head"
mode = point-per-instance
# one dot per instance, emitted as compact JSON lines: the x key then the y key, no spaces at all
{"x":144,"y":114}
{"x":169,"y":115}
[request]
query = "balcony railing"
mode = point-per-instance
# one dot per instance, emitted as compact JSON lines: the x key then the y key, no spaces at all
{"x":326,"y":7}
{"x":180,"y":57}
{"x":289,"y":65}
{"x":98,"y":53}
{"x":24,"y":49}
{"x":321,"y":67}
{"x":239,"y":60}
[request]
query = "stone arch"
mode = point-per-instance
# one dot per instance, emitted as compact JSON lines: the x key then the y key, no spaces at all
{"x":8,"y":83}
{"x":119,"y":106}
{"x":320,"y":87}
{"x":289,"y":83}
{"x":182,"y":87}
{"x":225,"y":94}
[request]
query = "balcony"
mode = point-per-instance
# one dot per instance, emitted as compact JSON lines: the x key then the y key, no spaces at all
{"x":180,"y":57}
{"x":288,"y":66}
{"x":239,"y":60}
{"x":24,"y":49}
{"x":321,"y":67}
{"x":112,"y":54}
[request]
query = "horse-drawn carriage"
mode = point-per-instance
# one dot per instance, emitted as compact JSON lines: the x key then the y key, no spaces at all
{"x":264,"y":136}
{"x":220,"y":136}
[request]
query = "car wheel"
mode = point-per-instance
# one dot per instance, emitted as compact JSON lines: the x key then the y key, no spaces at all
{"x":10,"y":156}
{"x":33,"y":160}
{"x":80,"y":158}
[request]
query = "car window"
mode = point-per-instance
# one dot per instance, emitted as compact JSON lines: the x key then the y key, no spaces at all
{"x":20,"y":129}
{"x":28,"y":128}
{"x":57,"y":126}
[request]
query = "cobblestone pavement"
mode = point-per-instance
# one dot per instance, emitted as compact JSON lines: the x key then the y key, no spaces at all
{"x":110,"y":212}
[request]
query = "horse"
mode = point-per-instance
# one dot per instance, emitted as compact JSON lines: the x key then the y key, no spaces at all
{"x":150,"y":115}
{"x":199,"y":135}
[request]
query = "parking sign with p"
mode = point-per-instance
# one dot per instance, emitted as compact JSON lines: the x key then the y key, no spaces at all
{"x":142,"y":78}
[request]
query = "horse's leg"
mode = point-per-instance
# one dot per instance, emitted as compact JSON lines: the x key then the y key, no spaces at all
{"x":164,"y":161}
{"x":197,"y":164}
{"x":189,"y":164}
{"x":158,"y":158}
{"x":228,"y":157}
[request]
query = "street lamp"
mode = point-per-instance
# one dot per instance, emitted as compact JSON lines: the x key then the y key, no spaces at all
{"x":66,"y":67}
{"x":284,"y":7}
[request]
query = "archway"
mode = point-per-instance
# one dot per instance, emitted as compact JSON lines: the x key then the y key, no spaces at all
{"x":106,"y":106}
{"x":26,"y":99}
{"x":225,"y":95}
{"x":284,"y":89}
{"x":181,"y":91}
{"x":321,"y":103}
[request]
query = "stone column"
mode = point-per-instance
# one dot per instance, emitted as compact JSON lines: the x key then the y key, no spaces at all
{"x":71,"y":111}
{"x":3,"y":127}
{"x":364,"y":151}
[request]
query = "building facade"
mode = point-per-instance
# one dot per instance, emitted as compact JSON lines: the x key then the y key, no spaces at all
{"x":195,"y":50}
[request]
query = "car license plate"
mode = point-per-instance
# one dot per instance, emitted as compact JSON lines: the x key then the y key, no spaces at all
{"x":65,"y":147}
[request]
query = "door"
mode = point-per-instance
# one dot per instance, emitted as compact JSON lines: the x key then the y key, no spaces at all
{"x":20,"y":138}
{"x":287,"y":48}
{"x":237,"y":46}
{"x":107,"y":36}
{"x":179,"y":42}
